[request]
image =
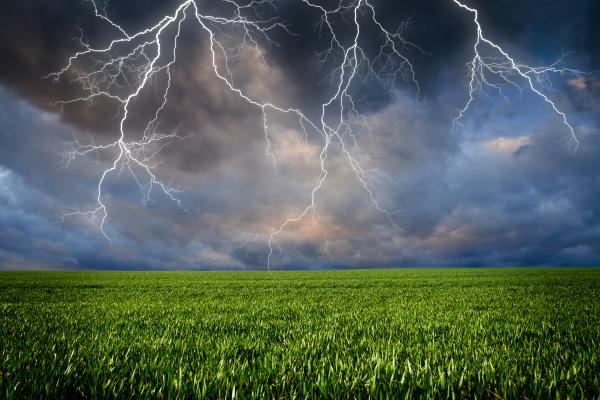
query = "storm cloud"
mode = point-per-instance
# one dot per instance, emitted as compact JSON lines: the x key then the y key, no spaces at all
{"x":503,"y":188}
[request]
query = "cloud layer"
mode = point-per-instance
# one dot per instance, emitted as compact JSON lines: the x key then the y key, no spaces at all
{"x":502,"y":189}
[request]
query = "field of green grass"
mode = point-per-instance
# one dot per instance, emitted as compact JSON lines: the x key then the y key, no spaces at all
{"x":433,"y":333}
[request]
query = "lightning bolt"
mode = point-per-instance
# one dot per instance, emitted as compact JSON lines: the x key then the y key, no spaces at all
{"x":511,"y":72}
{"x":123,"y":70}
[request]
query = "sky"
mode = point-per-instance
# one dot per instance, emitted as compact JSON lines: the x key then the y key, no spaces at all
{"x":505,"y":186}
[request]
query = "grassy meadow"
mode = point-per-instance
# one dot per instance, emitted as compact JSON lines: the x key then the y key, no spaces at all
{"x":408,"y":333}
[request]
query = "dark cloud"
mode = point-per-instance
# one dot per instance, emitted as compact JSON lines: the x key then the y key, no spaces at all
{"x":503,"y":189}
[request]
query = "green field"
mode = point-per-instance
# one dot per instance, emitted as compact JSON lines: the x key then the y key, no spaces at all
{"x":485,"y":333}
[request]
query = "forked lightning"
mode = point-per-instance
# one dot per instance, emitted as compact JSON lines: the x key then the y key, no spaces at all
{"x":121,"y":71}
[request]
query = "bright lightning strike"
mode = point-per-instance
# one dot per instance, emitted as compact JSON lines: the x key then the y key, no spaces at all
{"x":508,"y":70}
{"x":123,"y":71}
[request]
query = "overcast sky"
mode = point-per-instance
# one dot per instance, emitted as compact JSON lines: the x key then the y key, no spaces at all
{"x":502,"y":188}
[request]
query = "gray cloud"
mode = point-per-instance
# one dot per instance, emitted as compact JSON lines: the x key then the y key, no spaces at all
{"x":503,"y":189}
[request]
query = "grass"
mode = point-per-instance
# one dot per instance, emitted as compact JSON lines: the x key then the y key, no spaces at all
{"x":476,"y":333}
